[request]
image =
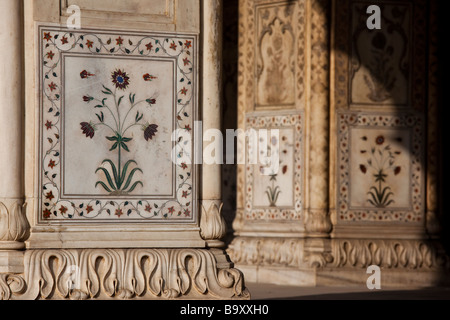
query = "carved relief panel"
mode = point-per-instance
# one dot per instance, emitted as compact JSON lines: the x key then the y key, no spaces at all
{"x":275,"y":51}
{"x":382,"y":68}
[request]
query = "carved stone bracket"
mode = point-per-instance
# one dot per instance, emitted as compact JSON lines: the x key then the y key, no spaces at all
{"x":14,"y":227}
{"x":317,"y":223}
{"x":124,"y":274}
{"x":212,"y":224}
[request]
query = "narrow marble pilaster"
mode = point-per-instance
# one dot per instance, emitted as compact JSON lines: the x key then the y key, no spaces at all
{"x":14,"y":228}
{"x":212,"y":223}
{"x":317,"y":222}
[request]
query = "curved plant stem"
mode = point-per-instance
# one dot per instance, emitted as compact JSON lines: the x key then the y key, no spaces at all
{"x":126,"y":116}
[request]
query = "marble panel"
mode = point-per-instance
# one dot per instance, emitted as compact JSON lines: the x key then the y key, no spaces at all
{"x":380,"y":168}
{"x":109,"y":106}
{"x":274,"y":190}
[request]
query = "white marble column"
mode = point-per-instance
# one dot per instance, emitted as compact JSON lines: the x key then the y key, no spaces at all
{"x":318,"y":223}
{"x":14,"y":227}
{"x":212,"y":223}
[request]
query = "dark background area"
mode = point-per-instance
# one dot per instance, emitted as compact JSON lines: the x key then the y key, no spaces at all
{"x":443,"y":74}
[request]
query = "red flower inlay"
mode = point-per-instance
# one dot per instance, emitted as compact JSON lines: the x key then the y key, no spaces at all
{"x":363,"y":168}
{"x":87,"y":98}
{"x":63,"y":209}
{"x":64,"y":40}
{"x":149,"y":77}
{"x":171,"y":209}
{"x":50,"y":55}
{"x":148,"y":208}
{"x":185,"y":194}
{"x":184,"y":165}
{"x":52,"y":86}
{"x":173,"y":46}
{"x":186,"y":61}
{"x":52,"y":164}
{"x":119,"y":212}
{"x":184,"y":90}
{"x":87,"y":129}
{"x":188,"y":44}
{"x":47,"y":213}
{"x":187,"y":127}
{"x":120,"y":79}
{"x":119,"y":41}
{"x":49,"y":195}
{"x":149,"y":46}
{"x":89,"y":209}
{"x":151,"y":101}
{"x":150,"y":131}
{"x":379,"y":140}
{"x":187,"y":212}
{"x":89,"y":43}
{"x":47,"y":36}
{"x":86,"y":74}
{"x":48,"y":125}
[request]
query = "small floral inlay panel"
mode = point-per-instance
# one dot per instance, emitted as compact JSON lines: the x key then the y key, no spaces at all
{"x":274,"y":191}
{"x":110,"y":104}
{"x":380,"y":167}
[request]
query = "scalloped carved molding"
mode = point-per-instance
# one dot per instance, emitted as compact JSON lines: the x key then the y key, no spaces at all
{"x":296,"y":252}
{"x":212,"y":224}
{"x":13,"y":222}
{"x":11,"y":284}
{"x":123,"y":274}
{"x":412,"y":254}
{"x":267,"y":251}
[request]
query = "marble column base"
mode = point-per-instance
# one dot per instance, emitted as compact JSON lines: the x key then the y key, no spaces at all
{"x":124,"y":274}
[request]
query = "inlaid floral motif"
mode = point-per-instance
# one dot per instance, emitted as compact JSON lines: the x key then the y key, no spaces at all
{"x":274,"y":189}
{"x":120,"y":182}
{"x":380,"y":163}
{"x":380,"y":168}
{"x":275,"y":192}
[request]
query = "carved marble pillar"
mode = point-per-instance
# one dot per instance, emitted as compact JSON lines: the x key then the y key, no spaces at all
{"x":212,"y":224}
{"x":13,"y":224}
{"x":317,"y":222}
